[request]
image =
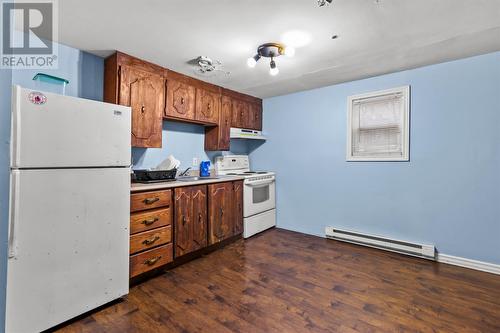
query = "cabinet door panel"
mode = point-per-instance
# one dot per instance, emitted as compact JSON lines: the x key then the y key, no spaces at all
{"x":144,"y":93}
{"x":183,"y":229}
{"x":180,"y":100}
{"x":199,"y":217}
{"x":225,"y":123}
{"x":239,"y":114}
{"x":238,"y":207}
{"x":255,"y":116}
{"x":220,"y":217}
{"x":207,"y":106}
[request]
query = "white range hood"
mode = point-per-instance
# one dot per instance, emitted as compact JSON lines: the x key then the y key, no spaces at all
{"x":243,"y":133}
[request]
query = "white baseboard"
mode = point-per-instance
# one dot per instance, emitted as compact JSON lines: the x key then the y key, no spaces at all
{"x":468,"y":263}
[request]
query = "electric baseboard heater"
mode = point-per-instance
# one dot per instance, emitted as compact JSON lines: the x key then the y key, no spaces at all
{"x":384,"y":243}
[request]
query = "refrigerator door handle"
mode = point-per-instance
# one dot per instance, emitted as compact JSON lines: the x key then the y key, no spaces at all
{"x":14,"y":212}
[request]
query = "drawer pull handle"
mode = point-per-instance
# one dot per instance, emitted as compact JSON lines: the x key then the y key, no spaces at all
{"x":183,"y":220}
{"x":149,"y":201}
{"x":152,"y":261}
{"x":182,"y":100}
{"x":151,"y":240}
{"x":150,"y":221}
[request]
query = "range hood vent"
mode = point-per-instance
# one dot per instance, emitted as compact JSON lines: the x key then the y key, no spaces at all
{"x":243,"y":133}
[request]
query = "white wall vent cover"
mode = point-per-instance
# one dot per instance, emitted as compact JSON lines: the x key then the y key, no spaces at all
{"x":380,"y":242}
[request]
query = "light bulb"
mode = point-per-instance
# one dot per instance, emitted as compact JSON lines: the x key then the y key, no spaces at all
{"x":274,"y":71}
{"x":251,"y":62}
{"x":289,"y":51}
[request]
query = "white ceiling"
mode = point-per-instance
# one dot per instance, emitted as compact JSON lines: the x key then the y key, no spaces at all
{"x":375,"y":37}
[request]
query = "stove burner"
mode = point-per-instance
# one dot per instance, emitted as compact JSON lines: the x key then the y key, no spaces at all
{"x":232,"y":174}
{"x":261,"y":172}
{"x":250,"y":172}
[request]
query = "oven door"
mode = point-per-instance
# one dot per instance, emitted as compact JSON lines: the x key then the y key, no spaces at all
{"x":258,"y":197}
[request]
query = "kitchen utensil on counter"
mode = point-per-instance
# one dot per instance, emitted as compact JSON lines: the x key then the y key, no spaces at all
{"x":154,"y":176}
{"x":169,"y":163}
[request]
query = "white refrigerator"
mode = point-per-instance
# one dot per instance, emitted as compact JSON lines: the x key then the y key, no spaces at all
{"x":69,"y":208}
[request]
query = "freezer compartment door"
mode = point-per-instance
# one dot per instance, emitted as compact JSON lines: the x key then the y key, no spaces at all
{"x":69,"y":242}
{"x":56,"y":131}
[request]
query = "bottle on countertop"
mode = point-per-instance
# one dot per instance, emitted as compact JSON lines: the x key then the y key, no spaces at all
{"x":205,"y":169}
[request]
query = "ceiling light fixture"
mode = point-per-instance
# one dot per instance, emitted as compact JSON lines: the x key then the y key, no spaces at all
{"x":270,"y":50}
{"x":322,"y":3}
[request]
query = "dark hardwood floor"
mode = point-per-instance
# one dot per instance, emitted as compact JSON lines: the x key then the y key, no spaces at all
{"x":282,"y":281}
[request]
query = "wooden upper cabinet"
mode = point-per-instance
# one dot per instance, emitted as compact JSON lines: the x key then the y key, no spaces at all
{"x":239,"y":117}
{"x":225,"y":122}
{"x":220,"y":217}
{"x":207,"y":106}
{"x":154,"y":93}
{"x":255,"y":116}
{"x":217,"y":138}
{"x":238,"y":206}
{"x":144,"y":93}
{"x":139,"y":84}
{"x":180,"y":100}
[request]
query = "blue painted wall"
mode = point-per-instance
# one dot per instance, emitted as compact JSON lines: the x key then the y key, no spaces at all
{"x":83,"y":70}
{"x":183,"y":141}
{"x":447,"y":195}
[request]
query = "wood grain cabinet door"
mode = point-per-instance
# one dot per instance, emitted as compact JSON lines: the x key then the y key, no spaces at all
{"x":207,"y":106}
{"x":144,"y":92}
{"x":239,"y":114}
{"x":220,"y":224}
{"x":180,"y":100}
{"x":199,"y":217}
{"x":255,"y":116}
{"x":225,"y":123}
{"x":238,"y":207}
{"x":182,"y":220}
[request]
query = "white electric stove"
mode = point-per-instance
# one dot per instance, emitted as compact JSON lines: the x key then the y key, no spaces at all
{"x":259,"y":200}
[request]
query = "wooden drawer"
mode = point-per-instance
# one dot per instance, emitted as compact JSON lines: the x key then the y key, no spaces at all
{"x":148,"y":200}
{"x":151,"y":259}
{"x":151,"y":219}
{"x":149,"y":239}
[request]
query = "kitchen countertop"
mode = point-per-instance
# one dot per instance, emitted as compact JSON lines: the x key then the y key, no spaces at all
{"x":140,"y":187}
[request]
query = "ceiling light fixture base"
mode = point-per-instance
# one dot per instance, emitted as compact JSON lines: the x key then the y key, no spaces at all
{"x":271,"y":50}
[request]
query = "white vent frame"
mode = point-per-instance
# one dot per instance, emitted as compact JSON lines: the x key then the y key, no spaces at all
{"x":405,"y":91}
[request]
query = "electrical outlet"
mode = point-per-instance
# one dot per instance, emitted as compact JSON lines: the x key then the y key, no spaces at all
{"x":195,"y":161}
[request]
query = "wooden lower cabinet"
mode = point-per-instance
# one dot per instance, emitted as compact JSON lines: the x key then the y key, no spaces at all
{"x":220,"y":214}
{"x":150,"y":231}
{"x":150,"y":239}
{"x":167,"y":224}
{"x":238,"y":206}
{"x":151,"y":259}
{"x":190,"y":220}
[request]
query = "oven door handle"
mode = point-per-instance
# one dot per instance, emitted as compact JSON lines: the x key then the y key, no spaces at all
{"x":261,"y":183}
